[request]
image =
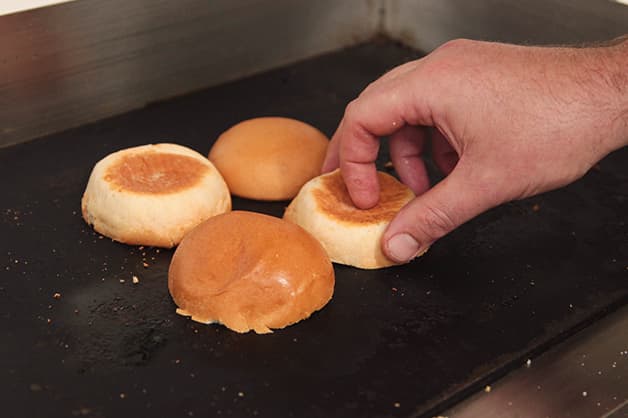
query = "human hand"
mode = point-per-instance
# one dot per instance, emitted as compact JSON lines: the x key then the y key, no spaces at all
{"x":505,"y":122}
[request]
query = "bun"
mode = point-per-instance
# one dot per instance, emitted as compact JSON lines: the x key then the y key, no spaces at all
{"x":250,"y":271}
{"x":269,"y":158}
{"x":153,"y":194}
{"x":350,"y":235}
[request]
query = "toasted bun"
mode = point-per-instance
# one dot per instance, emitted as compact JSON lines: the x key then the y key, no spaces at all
{"x":153,"y":194}
{"x":250,"y":271}
{"x":350,"y":235}
{"x":269,"y":158}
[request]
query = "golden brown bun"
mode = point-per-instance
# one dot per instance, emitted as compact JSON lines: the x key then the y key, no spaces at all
{"x":250,"y":271}
{"x":350,"y":235}
{"x":269,"y":158}
{"x":153,"y":194}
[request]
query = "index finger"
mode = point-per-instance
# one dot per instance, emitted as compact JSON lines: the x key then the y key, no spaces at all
{"x":384,"y":108}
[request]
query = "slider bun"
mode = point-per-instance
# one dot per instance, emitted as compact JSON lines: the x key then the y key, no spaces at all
{"x":269,"y":158}
{"x":350,"y":235}
{"x":250,"y":271}
{"x":153,"y":194}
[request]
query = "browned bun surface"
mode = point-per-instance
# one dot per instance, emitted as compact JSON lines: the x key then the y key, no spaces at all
{"x":350,"y":235}
{"x":250,"y":271}
{"x":269,"y":158}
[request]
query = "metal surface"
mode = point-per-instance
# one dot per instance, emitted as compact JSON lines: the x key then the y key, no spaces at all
{"x":586,"y":376}
{"x":426,"y":24}
{"x":406,"y":341}
{"x":69,"y":64}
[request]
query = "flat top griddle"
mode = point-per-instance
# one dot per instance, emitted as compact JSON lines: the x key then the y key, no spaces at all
{"x":404,"y":341}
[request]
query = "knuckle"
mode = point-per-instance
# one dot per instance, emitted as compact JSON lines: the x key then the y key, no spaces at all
{"x":351,"y":109}
{"x":434,"y":222}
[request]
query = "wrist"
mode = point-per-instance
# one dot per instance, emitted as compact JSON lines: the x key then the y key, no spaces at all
{"x":617,"y":89}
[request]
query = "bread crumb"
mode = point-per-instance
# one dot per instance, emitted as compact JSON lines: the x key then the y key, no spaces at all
{"x":584,"y":394}
{"x":241,"y":394}
{"x":122,"y":280}
{"x":528,"y":363}
{"x":122,"y":395}
{"x":396,"y":404}
{"x":136,"y":280}
{"x":388,"y":164}
{"x":487,"y":389}
{"x":57,"y":295}
{"x":536,"y":207}
{"x":145,"y":264}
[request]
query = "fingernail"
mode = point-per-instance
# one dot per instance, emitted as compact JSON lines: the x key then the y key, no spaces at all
{"x":403,"y":248}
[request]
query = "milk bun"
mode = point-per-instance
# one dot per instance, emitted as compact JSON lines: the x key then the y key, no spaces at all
{"x":153,"y":194}
{"x":269,"y":158}
{"x":250,"y":271}
{"x":350,"y":235}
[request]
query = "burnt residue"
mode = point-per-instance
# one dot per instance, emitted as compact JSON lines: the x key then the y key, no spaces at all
{"x":517,"y":279}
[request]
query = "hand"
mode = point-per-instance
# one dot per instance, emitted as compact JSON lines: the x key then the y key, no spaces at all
{"x":505,"y":122}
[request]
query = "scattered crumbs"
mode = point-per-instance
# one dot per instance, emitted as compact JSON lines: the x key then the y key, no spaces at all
{"x":614,"y":364}
{"x":122,"y":280}
{"x":122,"y":395}
{"x":584,"y":394}
{"x":35,"y":387}
{"x":57,"y":295}
{"x":528,"y":363}
{"x":136,"y":280}
{"x":241,"y":394}
{"x":487,"y":389}
{"x":536,"y":207}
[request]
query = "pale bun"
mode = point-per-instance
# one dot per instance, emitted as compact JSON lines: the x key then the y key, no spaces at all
{"x":153,"y":194}
{"x":269,"y":158}
{"x":250,"y":271}
{"x":350,"y":235}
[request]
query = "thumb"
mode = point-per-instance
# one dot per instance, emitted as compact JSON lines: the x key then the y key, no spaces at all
{"x":438,"y":211}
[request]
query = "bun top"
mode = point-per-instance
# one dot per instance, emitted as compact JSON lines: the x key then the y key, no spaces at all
{"x":269,"y":158}
{"x":332,"y":198}
{"x":250,"y":271}
{"x":155,"y":169}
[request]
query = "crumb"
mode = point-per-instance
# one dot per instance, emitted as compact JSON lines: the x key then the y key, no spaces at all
{"x":584,"y":394}
{"x":122,"y":280}
{"x":241,"y":394}
{"x":141,"y":248}
{"x":49,"y":321}
{"x":122,"y":395}
{"x":157,"y":250}
{"x":487,"y":389}
{"x":76,"y":311}
{"x":35,"y":387}
{"x":388,"y":164}
{"x":396,"y":404}
{"x":177,"y":361}
{"x":394,"y":289}
{"x":528,"y":363}
{"x":136,"y":280}
{"x":536,"y":207}
{"x":57,"y":295}
{"x":145,"y":264}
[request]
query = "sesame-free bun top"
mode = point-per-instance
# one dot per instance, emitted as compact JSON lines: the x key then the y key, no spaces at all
{"x":153,"y":194}
{"x":350,"y":235}
{"x":269,"y":158}
{"x":250,"y":271}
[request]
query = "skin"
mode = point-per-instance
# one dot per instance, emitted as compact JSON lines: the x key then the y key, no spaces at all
{"x":504,"y":122}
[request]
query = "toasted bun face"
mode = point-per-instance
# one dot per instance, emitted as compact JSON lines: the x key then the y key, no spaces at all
{"x":250,"y":271}
{"x":153,"y":194}
{"x":350,"y":235}
{"x":269,"y":158}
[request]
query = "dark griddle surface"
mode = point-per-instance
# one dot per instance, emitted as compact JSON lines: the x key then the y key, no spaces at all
{"x":391,"y":343}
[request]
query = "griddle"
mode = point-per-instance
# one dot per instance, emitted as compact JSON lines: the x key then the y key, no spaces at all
{"x":406,"y":341}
